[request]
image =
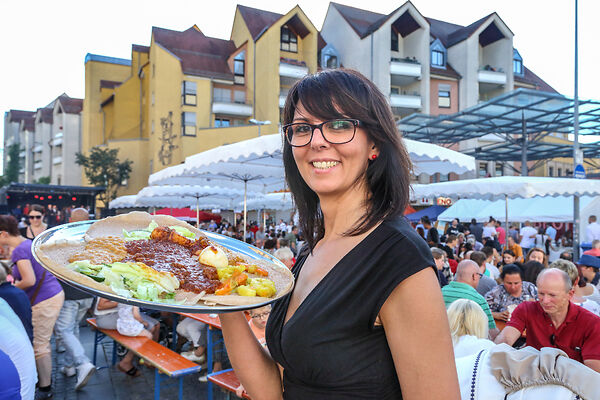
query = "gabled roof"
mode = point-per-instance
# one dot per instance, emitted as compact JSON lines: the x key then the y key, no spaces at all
{"x":70,"y":105}
{"x":140,"y":48}
{"x":199,"y":54}
{"x":448,"y":71}
{"x":45,"y":114}
{"x":19,"y":115}
{"x":258,"y":21}
{"x":530,"y":78}
{"x":29,"y":123}
{"x":461,"y":34}
{"x":362,"y":21}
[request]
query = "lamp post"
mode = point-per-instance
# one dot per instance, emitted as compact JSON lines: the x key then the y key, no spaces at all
{"x":577,"y":157}
{"x":259,"y":123}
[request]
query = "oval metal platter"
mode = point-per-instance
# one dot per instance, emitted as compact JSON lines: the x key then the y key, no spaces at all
{"x":76,"y":230}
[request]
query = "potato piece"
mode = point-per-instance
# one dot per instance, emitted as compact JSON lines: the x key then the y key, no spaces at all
{"x":246,"y":291}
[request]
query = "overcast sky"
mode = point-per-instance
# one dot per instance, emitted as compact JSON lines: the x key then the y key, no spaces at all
{"x":44,"y":43}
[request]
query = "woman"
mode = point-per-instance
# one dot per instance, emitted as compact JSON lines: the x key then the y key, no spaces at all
{"x":469,"y":327}
{"x":531,"y":270}
{"x":537,"y":254}
{"x":36,"y":222}
{"x":512,"y":292}
{"x":44,"y":292}
{"x":351,"y":325}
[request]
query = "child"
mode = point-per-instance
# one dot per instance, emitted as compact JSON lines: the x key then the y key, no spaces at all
{"x":131,"y":323}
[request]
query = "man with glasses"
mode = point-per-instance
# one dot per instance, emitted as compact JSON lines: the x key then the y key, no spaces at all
{"x":554,"y":321}
{"x":463,"y":286}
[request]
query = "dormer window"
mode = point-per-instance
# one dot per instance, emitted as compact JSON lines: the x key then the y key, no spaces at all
{"x":289,"y":40}
{"x":517,"y":63}
{"x":329,"y":57}
{"x":239,"y":68}
{"x":438,"y":54}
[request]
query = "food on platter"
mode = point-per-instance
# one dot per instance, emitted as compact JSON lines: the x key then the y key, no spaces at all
{"x":161,"y":259}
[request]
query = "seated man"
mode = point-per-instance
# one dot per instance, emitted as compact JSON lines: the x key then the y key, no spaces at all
{"x":463,"y":287}
{"x":512,"y":292}
{"x":553,"y":321}
{"x":486,"y":283}
{"x":589,"y":266}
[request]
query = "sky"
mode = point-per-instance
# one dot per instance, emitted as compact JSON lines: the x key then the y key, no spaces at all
{"x":44,"y":43}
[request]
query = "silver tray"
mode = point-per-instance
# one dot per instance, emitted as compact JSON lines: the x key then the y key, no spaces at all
{"x":76,"y":230}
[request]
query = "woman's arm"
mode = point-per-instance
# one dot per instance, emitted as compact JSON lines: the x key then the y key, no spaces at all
{"x":418,"y":334}
{"x":105,"y":304}
{"x":27,"y":274}
{"x":253,"y":366}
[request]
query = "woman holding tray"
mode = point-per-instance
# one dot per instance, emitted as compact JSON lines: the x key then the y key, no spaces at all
{"x":366,"y":317}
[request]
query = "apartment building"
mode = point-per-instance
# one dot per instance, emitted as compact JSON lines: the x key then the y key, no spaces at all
{"x":435,"y":67}
{"x":187,"y":92}
{"x":48,"y":138}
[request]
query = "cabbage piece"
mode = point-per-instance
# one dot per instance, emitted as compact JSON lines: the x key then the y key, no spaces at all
{"x":183,"y":231}
{"x":136,"y":235}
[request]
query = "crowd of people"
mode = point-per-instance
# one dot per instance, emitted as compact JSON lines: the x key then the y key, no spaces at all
{"x":509,"y":280}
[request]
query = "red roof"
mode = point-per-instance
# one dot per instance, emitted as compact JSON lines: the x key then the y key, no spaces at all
{"x":199,"y":54}
{"x":70,"y":105}
{"x":46,"y":114}
{"x":258,"y":21}
{"x":19,"y":115}
{"x":530,"y":78}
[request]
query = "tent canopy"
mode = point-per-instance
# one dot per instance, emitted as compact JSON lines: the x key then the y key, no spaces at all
{"x":188,"y":214}
{"x":431,"y":212}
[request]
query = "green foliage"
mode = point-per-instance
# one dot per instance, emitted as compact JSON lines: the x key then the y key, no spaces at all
{"x":103,"y":168}
{"x":11,"y":173}
{"x":44,"y":180}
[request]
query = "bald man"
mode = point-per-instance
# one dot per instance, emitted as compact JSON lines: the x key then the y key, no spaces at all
{"x":464,"y":286}
{"x":553,"y":321}
{"x":67,"y":325}
{"x":79,"y":214}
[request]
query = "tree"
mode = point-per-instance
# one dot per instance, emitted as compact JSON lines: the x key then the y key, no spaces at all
{"x":11,"y":174}
{"x":44,"y":180}
{"x":103,"y":168}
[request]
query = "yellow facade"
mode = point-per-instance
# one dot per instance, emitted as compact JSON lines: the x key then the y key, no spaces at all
{"x":142,"y":116}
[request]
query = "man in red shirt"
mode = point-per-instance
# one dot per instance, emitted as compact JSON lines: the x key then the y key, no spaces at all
{"x":554,"y":321}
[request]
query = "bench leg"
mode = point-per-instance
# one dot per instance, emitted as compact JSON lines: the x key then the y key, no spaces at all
{"x":181,"y":388}
{"x":156,"y":384}
{"x":95,"y":345}
{"x":174,"y":331}
{"x":114,"y":353}
{"x":209,"y":359}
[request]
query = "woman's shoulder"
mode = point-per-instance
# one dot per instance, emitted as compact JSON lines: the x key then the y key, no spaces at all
{"x":400,"y":229}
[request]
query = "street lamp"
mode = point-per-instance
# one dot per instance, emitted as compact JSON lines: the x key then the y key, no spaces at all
{"x":259,"y":123}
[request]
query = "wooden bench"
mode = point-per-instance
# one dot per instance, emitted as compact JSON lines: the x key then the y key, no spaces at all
{"x":227,"y":380}
{"x":165,"y":361}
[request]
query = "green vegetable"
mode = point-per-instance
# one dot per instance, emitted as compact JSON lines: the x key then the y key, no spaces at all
{"x":144,"y":234}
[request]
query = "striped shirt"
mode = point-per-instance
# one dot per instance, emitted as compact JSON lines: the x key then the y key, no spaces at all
{"x":459,"y":290}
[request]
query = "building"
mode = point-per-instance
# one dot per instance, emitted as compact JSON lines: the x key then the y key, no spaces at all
{"x":436,"y":67}
{"x":187,"y":92}
{"x":15,"y":123}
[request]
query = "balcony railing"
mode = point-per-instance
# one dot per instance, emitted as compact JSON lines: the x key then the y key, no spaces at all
{"x":22,"y":154}
{"x":488,"y":74}
{"x":412,"y":100}
{"x":57,"y":160}
{"x":58,"y":135}
{"x":38,"y":148}
{"x":404,"y":71}
{"x":37,"y":165}
{"x":57,"y":141}
{"x":227,"y":107}
{"x":290,"y":68}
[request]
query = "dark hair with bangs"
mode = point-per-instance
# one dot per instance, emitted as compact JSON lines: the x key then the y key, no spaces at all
{"x":344,"y":93}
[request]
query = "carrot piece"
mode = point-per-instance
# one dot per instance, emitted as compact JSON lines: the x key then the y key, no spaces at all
{"x":261,"y":271}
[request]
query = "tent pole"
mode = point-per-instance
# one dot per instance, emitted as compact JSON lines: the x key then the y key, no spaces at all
{"x":245,"y":190}
{"x":197,"y":212}
{"x":506,"y":221}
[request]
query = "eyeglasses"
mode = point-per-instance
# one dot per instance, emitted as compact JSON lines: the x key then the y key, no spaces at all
{"x":335,"y":131}
{"x":263,"y":315}
{"x":34,"y":216}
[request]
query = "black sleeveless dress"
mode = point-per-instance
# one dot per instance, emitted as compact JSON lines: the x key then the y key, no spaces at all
{"x":330,"y":348}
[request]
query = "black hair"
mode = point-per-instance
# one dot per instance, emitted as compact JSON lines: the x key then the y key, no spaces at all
{"x":510,"y":269}
{"x":507,"y":251}
{"x":344,"y":93}
{"x":531,"y":271}
{"x":9,"y":224}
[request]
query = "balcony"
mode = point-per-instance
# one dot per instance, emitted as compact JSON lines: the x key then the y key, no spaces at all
{"x":491,"y":78}
{"x":57,"y":141}
{"x":58,"y":135}
{"x":404,"y":71}
{"x":37,"y":165}
{"x":226,"y":107}
{"x":38,"y":148}
{"x":410,"y":101}
{"x":22,"y":154}
{"x":57,"y":160}
{"x":291,"y":70}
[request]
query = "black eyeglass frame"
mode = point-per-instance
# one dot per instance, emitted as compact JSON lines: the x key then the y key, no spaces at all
{"x":285,"y":127}
{"x":35,"y":216}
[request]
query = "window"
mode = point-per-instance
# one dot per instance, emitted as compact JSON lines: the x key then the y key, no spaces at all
{"x":394,"y":38}
{"x":289,"y":40}
{"x":483,"y":170}
{"x":188,"y":93}
{"x":499,"y":170}
{"x":239,"y":68}
{"x":222,"y":95}
{"x":444,"y":96}
{"x":394,"y":90}
{"x":222,"y":122}
{"x":331,"y":61}
{"x":550,"y":171}
{"x":239,"y":96}
{"x":517,"y":63}
{"x":559,"y":172}
{"x":188,"y":124}
{"x":437,"y":58}
{"x":438,"y":54}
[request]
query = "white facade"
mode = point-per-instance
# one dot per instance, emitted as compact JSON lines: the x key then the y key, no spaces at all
{"x":66,"y":142}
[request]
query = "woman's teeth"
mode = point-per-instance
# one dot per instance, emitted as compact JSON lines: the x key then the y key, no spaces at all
{"x":324,"y":164}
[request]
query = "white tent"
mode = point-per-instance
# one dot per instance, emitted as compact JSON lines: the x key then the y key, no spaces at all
{"x":123,"y":202}
{"x":535,"y":209}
